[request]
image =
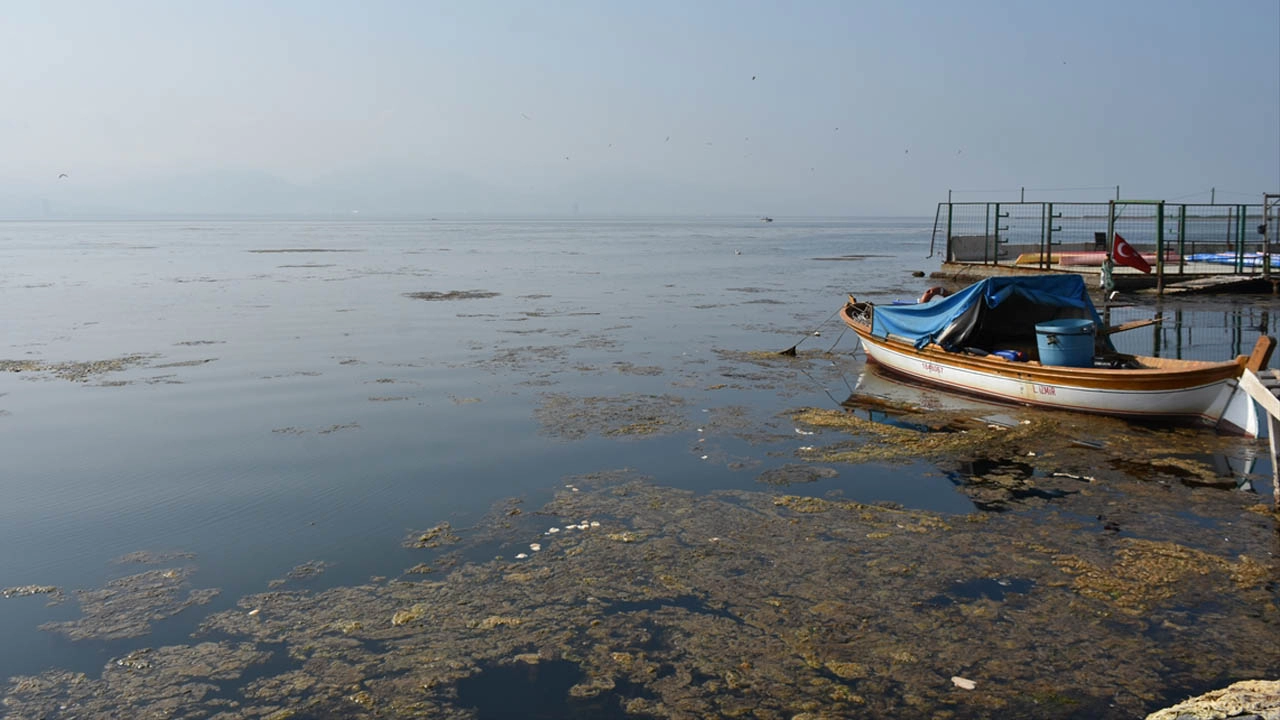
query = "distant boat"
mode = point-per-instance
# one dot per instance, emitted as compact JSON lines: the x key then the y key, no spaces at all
{"x":1038,"y":340}
{"x":766,"y":218}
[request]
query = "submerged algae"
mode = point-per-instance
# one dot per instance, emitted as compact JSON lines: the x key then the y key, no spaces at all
{"x":75,"y":371}
{"x":744,"y":604}
{"x":573,"y":418}
{"x":126,"y":607}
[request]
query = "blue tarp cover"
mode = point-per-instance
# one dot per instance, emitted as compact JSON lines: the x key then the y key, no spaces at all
{"x":924,"y":323}
{"x":1229,"y":258}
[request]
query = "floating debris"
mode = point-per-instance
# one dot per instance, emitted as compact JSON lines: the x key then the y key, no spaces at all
{"x":794,"y":474}
{"x":147,"y":557}
{"x":574,"y":418}
{"x":452,"y":295}
{"x":306,"y":250}
{"x":75,"y":371}
{"x":735,"y":603}
{"x":54,"y":592}
{"x":307,"y":570}
{"x":127,"y":607}
{"x":441,"y":534}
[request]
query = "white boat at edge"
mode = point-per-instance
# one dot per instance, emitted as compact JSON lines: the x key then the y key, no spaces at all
{"x":1162,"y":389}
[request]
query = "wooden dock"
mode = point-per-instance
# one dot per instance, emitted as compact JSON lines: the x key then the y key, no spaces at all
{"x":1195,"y":278}
{"x":1219,"y":284}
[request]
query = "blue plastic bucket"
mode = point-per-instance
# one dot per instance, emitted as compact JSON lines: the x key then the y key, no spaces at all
{"x":1066,"y":342}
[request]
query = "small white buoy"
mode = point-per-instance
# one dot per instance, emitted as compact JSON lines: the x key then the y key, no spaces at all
{"x":963,"y":683}
{"x":522,"y":556}
{"x":704,"y":457}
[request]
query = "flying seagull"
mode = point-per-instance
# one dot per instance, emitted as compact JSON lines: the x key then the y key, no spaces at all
{"x":62,"y":175}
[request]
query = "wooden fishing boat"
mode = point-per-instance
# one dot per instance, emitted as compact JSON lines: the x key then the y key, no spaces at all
{"x":952,"y":342}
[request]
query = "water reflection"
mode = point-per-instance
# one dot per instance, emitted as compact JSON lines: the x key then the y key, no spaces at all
{"x":1191,"y":332}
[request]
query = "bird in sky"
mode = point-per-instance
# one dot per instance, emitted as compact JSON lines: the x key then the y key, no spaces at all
{"x":753,"y":77}
{"x":62,"y":175}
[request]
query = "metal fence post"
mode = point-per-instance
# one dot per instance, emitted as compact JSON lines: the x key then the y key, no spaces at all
{"x":986,"y":230}
{"x":995,"y":245}
{"x":1160,"y":248}
{"x":1240,"y":222}
{"x":1182,"y":239}
{"x":1044,"y":239}
{"x":1266,"y":245}
{"x":1111,"y":225}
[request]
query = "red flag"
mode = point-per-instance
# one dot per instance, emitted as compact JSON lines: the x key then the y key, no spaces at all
{"x":1122,"y":253}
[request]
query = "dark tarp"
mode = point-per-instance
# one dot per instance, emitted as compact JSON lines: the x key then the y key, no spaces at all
{"x":991,"y":314}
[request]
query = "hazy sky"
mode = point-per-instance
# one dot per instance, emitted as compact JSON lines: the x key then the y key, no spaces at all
{"x":780,"y":108}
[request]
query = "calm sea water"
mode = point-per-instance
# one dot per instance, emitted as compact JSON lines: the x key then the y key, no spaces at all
{"x":294,"y":404}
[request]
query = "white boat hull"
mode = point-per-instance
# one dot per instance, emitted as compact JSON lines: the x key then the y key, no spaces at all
{"x":1220,"y":402}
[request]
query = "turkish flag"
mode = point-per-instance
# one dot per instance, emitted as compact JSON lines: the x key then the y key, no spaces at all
{"x":1124,"y":254}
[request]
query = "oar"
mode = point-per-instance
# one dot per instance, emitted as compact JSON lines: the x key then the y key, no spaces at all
{"x":1131,"y":325}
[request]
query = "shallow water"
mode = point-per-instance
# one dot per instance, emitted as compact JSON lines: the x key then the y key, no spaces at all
{"x":286,"y":400}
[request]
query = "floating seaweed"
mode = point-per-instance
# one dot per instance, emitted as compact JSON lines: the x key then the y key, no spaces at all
{"x":452,"y":295}
{"x":673,"y":604}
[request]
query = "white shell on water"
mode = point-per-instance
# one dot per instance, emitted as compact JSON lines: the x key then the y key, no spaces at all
{"x":963,"y":683}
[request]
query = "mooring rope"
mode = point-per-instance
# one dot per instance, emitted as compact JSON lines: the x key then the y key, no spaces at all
{"x":792,"y":350}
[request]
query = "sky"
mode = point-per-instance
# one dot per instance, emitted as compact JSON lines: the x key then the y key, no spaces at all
{"x":684,"y":107}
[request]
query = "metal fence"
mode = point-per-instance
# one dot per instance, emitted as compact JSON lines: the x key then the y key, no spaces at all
{"x":1176,"y":238}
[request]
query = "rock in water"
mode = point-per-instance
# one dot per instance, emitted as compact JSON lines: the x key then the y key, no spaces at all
{"x":1245,"y":699}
